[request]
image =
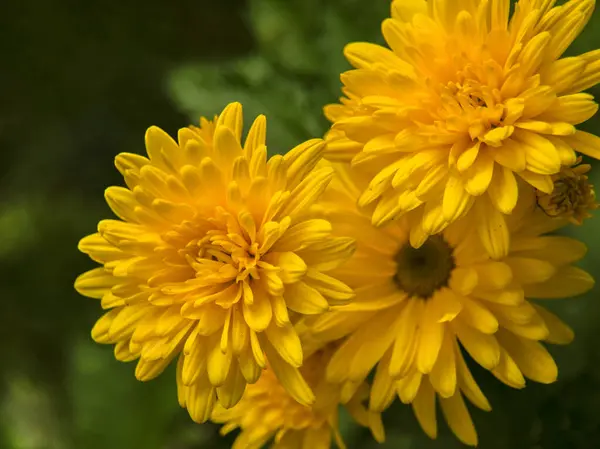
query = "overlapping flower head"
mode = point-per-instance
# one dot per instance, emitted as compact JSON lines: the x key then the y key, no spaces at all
{"x":214,"y":256}
{"x":267,"y":411}
{"x":416,"y":310}
{"x":464,"y":103}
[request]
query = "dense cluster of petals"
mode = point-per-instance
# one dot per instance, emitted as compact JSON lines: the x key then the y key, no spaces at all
{"x":463,"y":103}
{"x":214,"y":256}
{"x":267,"y":412}
{"x":490,"y":308}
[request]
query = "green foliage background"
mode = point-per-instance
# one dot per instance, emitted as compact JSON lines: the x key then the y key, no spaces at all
{"x":79,"y":83}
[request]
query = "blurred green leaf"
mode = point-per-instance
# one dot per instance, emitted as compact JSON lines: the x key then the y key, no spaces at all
{"x":111,"y":409}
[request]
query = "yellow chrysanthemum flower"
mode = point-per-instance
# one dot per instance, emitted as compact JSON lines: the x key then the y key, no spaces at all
{"x":214,"y":254}
{"x":416,"y":309}
{"x":267,"y":412}
{"x":573,"y":196}
{"x":464,"y":101}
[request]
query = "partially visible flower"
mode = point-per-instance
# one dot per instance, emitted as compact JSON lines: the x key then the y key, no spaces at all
{"x":464,"y":103}
{"x":573,"y":196}
{"x":216,"y":253}
{"x":417,"y":309}
{"x":267,"y":412}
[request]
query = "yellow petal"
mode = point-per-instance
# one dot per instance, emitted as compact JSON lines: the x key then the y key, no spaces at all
{"x":540,"y":154}
{"x":503,"y":190}
{"x":424,"y":409}
{"x":305,"y":299}
{"x":248,"y":365}
{"x":573,"y":109}
{"x":557,"y":250}
{"x":463,"y":280}
{"x":479,"y":176}
{"x":290,"y":377}
{"x":468,"y":157}
{"x":467,"y":383}
{"x":530,"y":271}
{"x":280,"y":311}
{"x":408,"y":387}
{"x":510,"y":155}
{"x":124,"y":323}
{"x":563,"y":73}
{"x":218,"y":365}
{"x":332,"y":289}
{"x":478,"y":316}
{"x":303,"y":234}
{"x":370,"y":351}
{"x":532,"y":55}
{"x":559,"y":332}
{"x":256,"y":136}
{"x":200,"y":399}
{"x":431,"y":335}
{"x":567,"y":282}
{"x":232,"y":390}
{"x":258,"y":314}
{"x":508,"y":372}
{"x":406,"y":344}
{"x":95,"y":283}
{"x":330,"y":254}
{"x":227,"y":146}
{"x":146,"y":370}
{"x":492,"y":230}
{"x":585,"y":143}
{"x":443,"y":374}
{"x":99,"y":249}
{"x":382,"y":391}
{"x":543,"y":183}
{"x":159,"y":143}
{"x":122,"y":203}
{"x":302,"y":159}
{"x":445,"y":305}
{"x":286,"y":342}
{"x":232,"y":118}
{"x":194,"y":361}
{"x":406,"y":10}
{"x":433,"y":218}
{"x":456,"y":200}
{"x":458,"y":419}
{"x":531,"y":357}
{"x":377,"y":296}
{"x":496,"y":137}
{"x":482,"y":347}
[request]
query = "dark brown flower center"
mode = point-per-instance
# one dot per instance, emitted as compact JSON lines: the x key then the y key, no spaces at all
{"x":422,"y":271}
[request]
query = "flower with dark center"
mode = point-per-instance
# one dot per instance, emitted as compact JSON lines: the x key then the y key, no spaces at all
{"x":417,"y":310}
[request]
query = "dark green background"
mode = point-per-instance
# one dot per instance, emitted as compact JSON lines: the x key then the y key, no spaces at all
{"x":80,"y":81}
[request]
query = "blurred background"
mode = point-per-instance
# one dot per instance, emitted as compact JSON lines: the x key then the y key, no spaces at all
{"x":80,"y":82}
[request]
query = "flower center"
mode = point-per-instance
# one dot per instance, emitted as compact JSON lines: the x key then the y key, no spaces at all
{"x":231,"y":250}
{"x":573,"y":195}
{"x":420,"y":272}
{"x":470,"y":107}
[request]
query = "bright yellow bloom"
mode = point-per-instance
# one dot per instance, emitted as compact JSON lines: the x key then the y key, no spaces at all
{"x":573,"y":196}
{"x":413,"y":307}
{"x":215,"y":253}
{"x":464,"y":100}
{"x":268,"y":412}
